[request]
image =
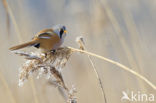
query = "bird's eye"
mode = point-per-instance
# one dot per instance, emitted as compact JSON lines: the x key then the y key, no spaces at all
{"x":61,"y":33}
{"x":64,"y":28}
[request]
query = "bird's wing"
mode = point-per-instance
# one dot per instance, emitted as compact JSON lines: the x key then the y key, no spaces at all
{"x":46,"y":33}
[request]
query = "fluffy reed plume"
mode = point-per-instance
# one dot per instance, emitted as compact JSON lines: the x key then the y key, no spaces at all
{"x":49,"y":66}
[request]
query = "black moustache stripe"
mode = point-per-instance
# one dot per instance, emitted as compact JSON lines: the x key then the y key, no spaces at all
{"x":61,"y":33}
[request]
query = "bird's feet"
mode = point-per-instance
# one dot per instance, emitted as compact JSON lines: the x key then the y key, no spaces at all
{"x":53,"y":52}
{"x":45,"y":55}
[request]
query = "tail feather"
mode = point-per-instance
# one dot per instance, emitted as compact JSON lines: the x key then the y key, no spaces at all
{"x":23,"y":45}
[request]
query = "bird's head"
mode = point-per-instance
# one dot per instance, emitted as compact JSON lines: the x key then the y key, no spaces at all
{"x":60,"y":30}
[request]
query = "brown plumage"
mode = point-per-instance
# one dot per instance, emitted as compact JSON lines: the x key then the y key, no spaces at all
{"x":46,"y":39}
{"x":23,"y":45}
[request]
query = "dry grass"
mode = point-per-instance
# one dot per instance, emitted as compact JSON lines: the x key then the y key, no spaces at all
{"x":10,"y":15}
{"x":51,"y":65}
{"x":133,"y":34}
{"x":10,"y":94}
{"x":81,"y":43}
{"x":118,"y":64}
{"x":7,"y":15}
{"x":138,"y":51}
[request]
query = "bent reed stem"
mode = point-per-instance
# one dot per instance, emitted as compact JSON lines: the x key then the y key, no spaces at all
{"x":118,"y":64}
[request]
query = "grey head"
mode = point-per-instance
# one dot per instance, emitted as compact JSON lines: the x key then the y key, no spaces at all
{"x":60,"y":30}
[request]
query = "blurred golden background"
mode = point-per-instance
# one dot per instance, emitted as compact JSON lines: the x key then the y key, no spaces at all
{"x":121,"y":30}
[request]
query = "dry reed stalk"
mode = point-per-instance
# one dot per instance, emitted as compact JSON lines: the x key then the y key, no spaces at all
{"x":135,"y":40}
{"x":34,"y":91}
{"x":7,"y":15}
{"x":12,"y":17}
{"x":4,"y":82}
{"x":10,"y":14}
{"x":81,"y":43}
{"x":119,"y":32}
{"x":118,"y":64}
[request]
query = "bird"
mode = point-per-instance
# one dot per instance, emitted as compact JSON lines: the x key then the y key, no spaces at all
{"x":46,"y":40}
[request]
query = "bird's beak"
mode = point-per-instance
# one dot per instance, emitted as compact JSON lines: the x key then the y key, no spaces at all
{"x":65,"y":31}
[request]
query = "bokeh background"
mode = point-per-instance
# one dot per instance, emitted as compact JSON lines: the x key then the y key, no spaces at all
{"x":121,"y":30}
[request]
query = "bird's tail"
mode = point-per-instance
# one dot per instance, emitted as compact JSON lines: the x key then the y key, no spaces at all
{"x":23,"y":45}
